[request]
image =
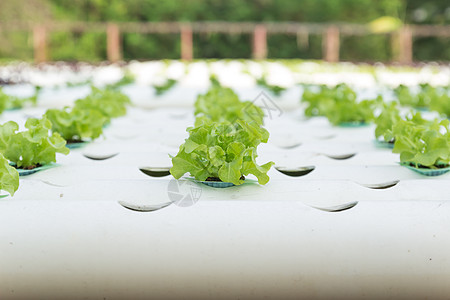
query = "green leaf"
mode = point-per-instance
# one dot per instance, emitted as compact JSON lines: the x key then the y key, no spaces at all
{"x":9,"y":177}
{"x":231,"y":171}
{"x":216,"y":156}
{"x":251,"y":167}
{"x":185,"y":163}
{"x":7,"y":132}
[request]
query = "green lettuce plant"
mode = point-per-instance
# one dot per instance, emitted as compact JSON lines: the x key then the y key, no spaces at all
{"x":110,"y":103}
{"x":160,"y":89}
{"x":214,"y":80}
{"x":222,"y":151}
{"x":33,"y":147}
{"x":76,"y":124}
{"x":339,"y":105}
{"x":274,"y":89}
{"x":441,"y":102}
{"x":223,"y":104}
{"x":423,"y":146}
{"x":14,"y":102}
{"x":320,"y":102}
{"x":128,"y":78}
{"x":342,"y":112}
{"x":423,"y":99}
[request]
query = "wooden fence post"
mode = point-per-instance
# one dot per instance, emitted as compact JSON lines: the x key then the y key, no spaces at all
{"x":260,"y":42}
{"x":330,"y":44}
{"x":186,"y":43}
{"x":405,"y":45}
{"x":39,"y":43}
{"x":113,"y":49}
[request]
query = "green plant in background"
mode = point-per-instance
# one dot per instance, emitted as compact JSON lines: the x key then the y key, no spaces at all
{"x":76,"y":125}
{"x":110,"y":103}
{"x":91,"y":46}
{"x":222,"y":151}
{"x":9,"y":177}
{"x":388,"y":117}
{"x":274,"y":89}
{"x":164,"y":87}
{"x":85,"y":121}
{"x":441,"y":102}
{"x":404,"y":96}
{"x":351,"y":112}
{"x":78,"y":46}
{"x":127,"y":79}
{"x":420,"y":100}
{"x":427,"y":97}
{"x":214,"y":80}
{"x":4,"y":101}
{"x":13,"y":102}
{"x":339,"y":105}
{"x":423,"y":146}
{"x":32,"y":148}
{"x":320,"y":101}
{"x":79,"y":83}
{"x":223,"y":104}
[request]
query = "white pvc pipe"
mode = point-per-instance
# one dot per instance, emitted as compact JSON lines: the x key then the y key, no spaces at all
{"x":224,"y":250}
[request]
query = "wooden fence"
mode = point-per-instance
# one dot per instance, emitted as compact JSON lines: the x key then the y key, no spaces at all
{"x":402,"y":39}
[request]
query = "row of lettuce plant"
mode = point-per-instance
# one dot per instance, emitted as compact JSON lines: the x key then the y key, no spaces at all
{"x":421,"y":143}
{"x":36,"y":147}
{"x":222,"y":146}
{"x":276,"y":90}
{"x":10,"y":102}
{"x":425,"y":97}
{"x":23,"y":151}
{"x":339,"y":104}
{"x":87,"y":118}
{"x":27,"y":149}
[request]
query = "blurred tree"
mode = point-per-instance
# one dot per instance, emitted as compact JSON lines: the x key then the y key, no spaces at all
{"x":91,"y":46}
{"x":19,"y":45}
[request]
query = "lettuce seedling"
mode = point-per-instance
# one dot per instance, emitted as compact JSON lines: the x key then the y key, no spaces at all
{"x":351,"y":112}
{"x":425,"y":146}
{"x":321,"y":102}
{"x":128,"y":78}
{"x":423,"y":99}
{"x":214,"y":80}
{"x":274,"y":89}
{"x":14,"y":102}
{"x":31,"y":148}
{"x":164,"y":87}
{"x":224,"y":151}
{"x":110,"y":103}
{"x":339,"y":105}
{"x":223,"y":104}
{"x":76,"y":125}
{"x":441,"y":102}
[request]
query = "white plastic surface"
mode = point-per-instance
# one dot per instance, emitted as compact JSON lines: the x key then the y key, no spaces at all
{"x":224,"y":250}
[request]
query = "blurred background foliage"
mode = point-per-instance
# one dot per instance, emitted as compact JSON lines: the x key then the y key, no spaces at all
{"x":91,"y":46}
